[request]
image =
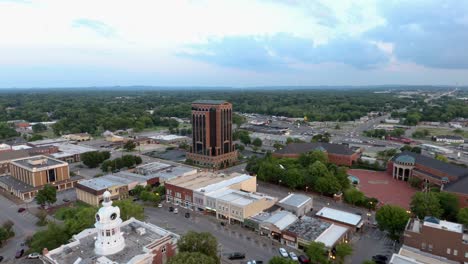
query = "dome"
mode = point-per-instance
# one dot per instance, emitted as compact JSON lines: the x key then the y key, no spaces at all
{"x":406,"y":159}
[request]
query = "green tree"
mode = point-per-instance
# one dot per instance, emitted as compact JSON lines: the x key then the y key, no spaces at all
{"x":192,"y":258}
{"x":327,"y":185}
{"x":149,"y":196}
{"x":462,"y":216}
{"x":449,"y":204}
{"x":202,"y":242}
{"x":129,"y":145}
{"x":392,"y":219}
{"x":80,"y":219}
{"x":426,"y":204}
{"x":129,"y":209}
{"x":242,"y":135}
{"x":6,"y":131}
{"x":257,"y":142}
{"x":137,"y":190}
{"x":39,"y":127}
{"x":353,"y":196}
{"x":278,"y":146}
{"x":47,"y":195}
{"x":317,"y":252}
{"x":42,"y":218}
{"x":53,"y":237}
{"x":294,"y":178}
{"x":36,"y":137}
{"x":343,"y":250}
{"x":92,"y":159}
{"x":441,"y":158}
{"x":281,"y":260}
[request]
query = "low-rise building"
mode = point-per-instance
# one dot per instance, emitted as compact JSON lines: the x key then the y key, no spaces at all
{"x":297,"y":204}
{"x":7,"y":156}
{"x":438,"y":237}
{"x":113,"y":240}
{"x":339,"y":217}
{"x":274,"y":224}
{"x":170,"y":139}
{"x":70,"y":153}
{"x":5,"y":147}
{"x":449,"y":139}
{"x":30,"y":174}
{"x":337,"y":153}
{"x":164,"y":171}
{"x":409,"y":255}
{"x":78,"y":137}
{"x":45,"y":142}
{"x":91,"y":191}
{"x":309,"y":229}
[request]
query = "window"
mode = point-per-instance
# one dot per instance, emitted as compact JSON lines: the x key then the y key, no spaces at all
{"x":423,"y":245}
{"x":455,"y":252}
{"x":448,"y":251}
{"x":178,"y":195}
{"x":466,"y":254}
{"x":429,"y":247}
{"x":163,"y":249}
{"x":108,"y":233}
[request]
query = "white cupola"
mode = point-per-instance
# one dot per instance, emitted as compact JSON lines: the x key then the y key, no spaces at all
{"x":109,"y":240}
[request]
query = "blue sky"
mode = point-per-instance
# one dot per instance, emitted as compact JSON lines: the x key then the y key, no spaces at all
{"x":52,"y":43}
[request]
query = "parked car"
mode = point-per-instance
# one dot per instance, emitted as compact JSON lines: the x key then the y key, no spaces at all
{"x":171,"y":209}
{"x":187,"y":215}
{"x":283,"y":252}
{"x":236,"y":255}
{"x":159,"y":205}
{"x":251,"y":262}
{"x":19,"y":253}
{"x":380,"y":259}
{"x":66,"y":200}
{"x":293,"y":256}
{"x":136,"y":199}
{"x":1,"y":258}
{"x":222,"y":223}
{"x":176,"y":211}
{"x":303,"y":259}
{"x":21,"y":209}
{"x":33,"y":256}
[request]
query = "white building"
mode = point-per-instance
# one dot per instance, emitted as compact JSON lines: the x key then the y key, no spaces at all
{"x":449,"y":139}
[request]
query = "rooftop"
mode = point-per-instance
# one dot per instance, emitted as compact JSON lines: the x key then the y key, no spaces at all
{"x":240,"y":198}
{"x":38,"y":162}
{"x":136,"y":244}
{"x":100,"y":183}
{"x":224,"y":183}
{"x":47,"y":141}
{"x":441,"y":224}
{"x":300,"y":148}
{"x":11,"y":155}
{"x":308,"y":228}
{"x":296,"y":200}
{"x":409,"y":255}
{"x":453,"y":170}
{"x":67,"y":149}
{"x":281,"y":219}
{"x":339,"y":216}
{"x":168,"y":137}
{"x":213,"y":102}
{"x":330,"y":236}
{"x":198,"y":180}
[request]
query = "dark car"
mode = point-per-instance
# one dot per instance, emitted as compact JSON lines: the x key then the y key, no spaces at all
{"x":136,"y":199}
{"x":1,"y":258}
{"x":20,"y":210}
{"x":222,"y":223}
{"x":187,"y":215}
{"x":19,"y":253}
{"x":236,"y":255}
{"x":303,"y":259}
{"x":380,"y":259}
{"x":66,"y":200}
{"x":171,"y":209}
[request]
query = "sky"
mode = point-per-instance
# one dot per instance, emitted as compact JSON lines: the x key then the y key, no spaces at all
{"x":239,"y":43}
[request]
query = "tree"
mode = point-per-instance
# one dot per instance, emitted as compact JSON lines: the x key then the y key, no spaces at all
{"x":48,"y":194}
{"x":343,"y":250}
{"x":137,"y":190}
{"x":353,"y":196}
{"x":294,"y":178}
{"x":6,"y":131}
{"x":39,"y":127}
{"x":148,"y":196}
{"x":462,"y":216}
{"x":128,"y":209}
{"x":192,"y":258}
{"x":449,"y":204}
{"x":441,"y":158}
{"x":392,"y":219}
{"x":337,"y":126}
{"x":327,"y":185}
{"x":6,"y":231}
{"x":425,"y":204}
{"x":202,"y":242}
{"x":36,"y":137}
{"x":415,"y":182}
{"x":129,"y":145}
{"x":80,"y":219}
{"x":242,"y":135}
{"x":317,"y":252}
{"x":321,"y":138}
{"x":278,"y":146}
{"x":53,"y":237}
{"x":281,"y":260}
{"x":92,"y":159}
{"x":42,"y":218}
{"x":257,"y":142}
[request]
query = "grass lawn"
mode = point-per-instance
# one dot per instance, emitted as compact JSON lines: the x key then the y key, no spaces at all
{"x":436,"y":131}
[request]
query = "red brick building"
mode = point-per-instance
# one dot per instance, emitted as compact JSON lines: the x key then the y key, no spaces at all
{"x":437,"y":237}
{"x":338,"y":154}
{"x":449,"y":177}
{"x":212,"y":144}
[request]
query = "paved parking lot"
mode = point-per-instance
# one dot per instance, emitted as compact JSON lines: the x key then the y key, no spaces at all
{"x":370,"y":243}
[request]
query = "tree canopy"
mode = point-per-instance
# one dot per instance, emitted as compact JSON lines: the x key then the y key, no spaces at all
{"x":47,"y":195}
{"x":191,"y":258}
{"x":317,"y":251}
{"x":392,"y":219}
{"x":462,"y":216}
{"x":203,"y":242}
{"x":94,"y":158}
{"x":426,"y":204}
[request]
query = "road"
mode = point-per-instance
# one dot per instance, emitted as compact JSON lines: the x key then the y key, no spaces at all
{"x":232,"y":238}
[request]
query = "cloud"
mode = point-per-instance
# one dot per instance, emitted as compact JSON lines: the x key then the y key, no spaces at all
{"x":429,"y":33}
{"x":97,"y":26}
{"x":281,"y":51}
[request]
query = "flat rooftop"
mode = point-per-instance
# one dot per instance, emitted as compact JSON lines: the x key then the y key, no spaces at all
{"x":164,"y":171}
{"x":445,"y":225}
{"x":100,"y":183}
{"x":213,"y":102}
{"x":308,"y":228}
{"x":295,"y":200}
{"x":199,"y":180}
{"x":67,"y":149}
{"x":330,"y":236}
{"x":225,"y":183}
{"x":38,"y":162}
{"x":339,"y":216}
{"x":281,"y":219}
{"x":240,"y":198}
{"x":135,"y":244}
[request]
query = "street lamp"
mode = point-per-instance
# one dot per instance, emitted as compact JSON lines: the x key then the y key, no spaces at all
{"x":279,"y":182}
{"x":307,"y":188}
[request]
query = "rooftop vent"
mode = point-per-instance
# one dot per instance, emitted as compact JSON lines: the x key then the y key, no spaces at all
{"x":35,"y":162}
{"x":141,"y":231}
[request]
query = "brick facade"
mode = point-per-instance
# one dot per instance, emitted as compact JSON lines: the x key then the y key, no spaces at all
{"x":179,"y":195}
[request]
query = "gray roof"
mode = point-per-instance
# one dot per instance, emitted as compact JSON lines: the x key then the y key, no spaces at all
{"x":295,"y":200}
{"x":460,"y":186}
{"x":300,"y":148}
{"x":308,"y":228}
{"x":405,"y":159}
{"x":14,"y":154}
{"x":213,"y":102}
{"x":16,"y":184}
{"x":47,"y":162}
{"x":452,"y":170}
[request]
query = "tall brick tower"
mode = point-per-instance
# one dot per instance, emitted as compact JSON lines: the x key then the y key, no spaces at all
{"x":212,"y":144}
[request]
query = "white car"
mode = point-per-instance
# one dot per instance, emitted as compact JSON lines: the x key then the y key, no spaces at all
{"x":159,"y":205}
{"x":283,"y":252}
{"x":293,"y":256}
{"x":176,"y":211}
{"x":33,"y":256}
{"x":251,"y":262}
